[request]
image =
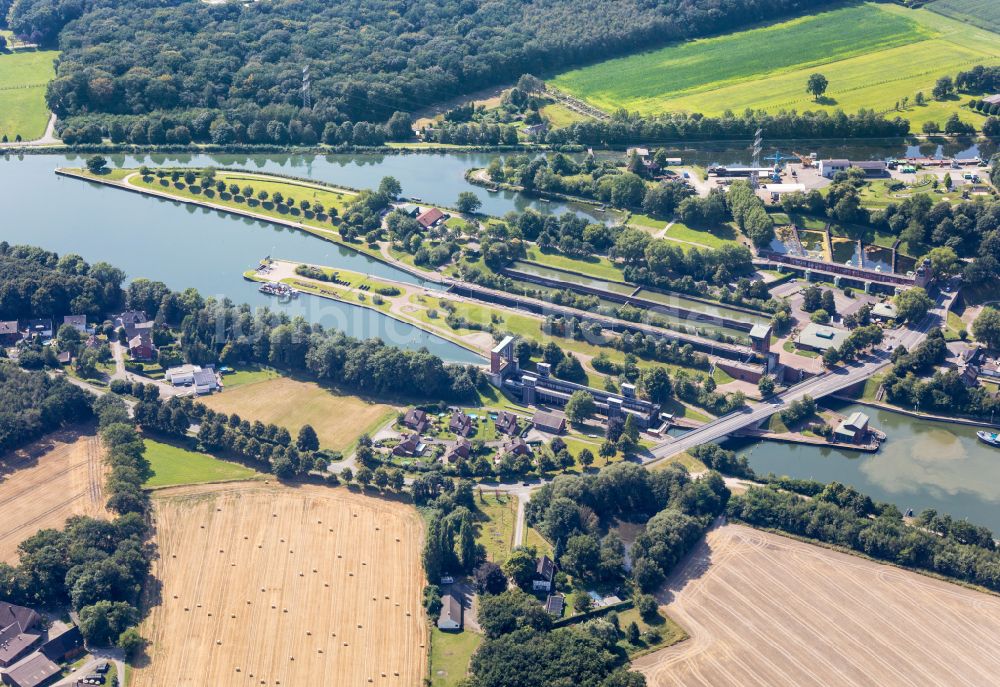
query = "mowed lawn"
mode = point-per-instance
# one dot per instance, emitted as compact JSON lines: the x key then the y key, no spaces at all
{"x":338,"y":420}
{"x":872,"y":55}
{"x":173,"y":465}
{"x":23,"y":78}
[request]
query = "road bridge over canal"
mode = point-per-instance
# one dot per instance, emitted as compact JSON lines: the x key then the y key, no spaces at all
{"x":828,"y":383}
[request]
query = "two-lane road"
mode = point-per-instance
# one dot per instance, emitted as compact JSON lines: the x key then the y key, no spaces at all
{"x":825,"y":384}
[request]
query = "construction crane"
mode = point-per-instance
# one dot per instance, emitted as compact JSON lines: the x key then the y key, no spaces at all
{"x":806,"y":160}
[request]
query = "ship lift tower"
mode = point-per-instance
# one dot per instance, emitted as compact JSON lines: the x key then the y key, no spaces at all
{"x":758,"y":144}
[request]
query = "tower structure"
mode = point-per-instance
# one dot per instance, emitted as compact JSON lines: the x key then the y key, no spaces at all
{"x":758,"y":144}
{"x":306,"y":88}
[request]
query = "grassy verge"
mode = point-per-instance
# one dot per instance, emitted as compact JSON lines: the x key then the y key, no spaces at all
{"x":250,"y":375}
{"x":173,"y":465}
{"x":534,"y":538}
{"x":685,"y":459}
{"x":598,"y":266}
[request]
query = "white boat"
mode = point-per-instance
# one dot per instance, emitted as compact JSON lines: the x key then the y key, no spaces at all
{"x":991,"y":438}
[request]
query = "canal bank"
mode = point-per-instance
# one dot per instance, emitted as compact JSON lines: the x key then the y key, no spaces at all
{"x":923,"y":464}
{"x":186,"y":246}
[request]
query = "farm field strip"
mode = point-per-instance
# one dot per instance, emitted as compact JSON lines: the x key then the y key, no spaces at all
{"x":901,"y":52}
{"x":266,"y":584}
{"x":982,"y":13}
{"x":23,"y":79}
{"x":708,"y":63}
{"x":765,"y":609}
{"x":36,"y":493}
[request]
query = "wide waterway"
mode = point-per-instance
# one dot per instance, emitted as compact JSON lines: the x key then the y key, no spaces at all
{"x":186,"y":246}
{"x":923,"y":464}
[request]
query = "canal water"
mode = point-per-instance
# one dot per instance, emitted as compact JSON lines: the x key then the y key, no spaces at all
{"x":186,"y":246}
{"x":923,"y":464}
{"x":431,"y":177}
{"x":714,"y":153}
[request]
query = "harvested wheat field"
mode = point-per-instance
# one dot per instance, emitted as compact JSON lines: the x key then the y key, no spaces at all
{"x":763,"y":609}
{"x":264,"y":584}
{"x":40,"y":487}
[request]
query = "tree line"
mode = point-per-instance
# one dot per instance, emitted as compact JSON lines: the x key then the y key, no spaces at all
{"x":367,"y":60}
{"x":33,"y":404}
{"x":842,"y":516}
{"x":624,"y":128}
{"x":40,"y":283}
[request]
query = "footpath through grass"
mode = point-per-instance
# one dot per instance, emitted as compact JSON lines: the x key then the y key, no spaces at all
{"x":173,"y":465}
{"x":23,"y":78}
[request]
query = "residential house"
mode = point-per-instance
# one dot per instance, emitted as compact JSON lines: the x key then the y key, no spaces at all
{"x":409,"y":209}
{"x":40,"y":327}
{"x":451,"y":612}
{"x":140,"y":346}
{"x":409,"y":445}
{"x":545,"y":572}
{"x":515,"y":446}
{"x":854,"y":429}
{"x":65,"y":642}
{"x":64,"y":357}
{"x":33,"y":672}
{"x":461,"y":450}
{"x":416,"y":420}
{"x":535,"y":130}
{"x":10,"y":333}
{"x":78,"y":322}
{"x":431,"y":217}
{"x":16,"y":636}
{"x":130,"y":318}
{"x":460,"y":423}
{"x":552,"y":423}
{"x":506,"y":423}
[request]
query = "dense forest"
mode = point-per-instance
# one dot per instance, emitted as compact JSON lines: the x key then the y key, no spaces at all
{"x":38,"y":283}
{"x":368,"y":59}
{"x":33,"y":404}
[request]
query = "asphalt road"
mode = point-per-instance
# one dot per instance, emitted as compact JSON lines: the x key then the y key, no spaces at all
{"x":827,"y":383}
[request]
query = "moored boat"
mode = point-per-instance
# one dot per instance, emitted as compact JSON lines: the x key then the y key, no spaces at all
{"x":991,"y":438}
